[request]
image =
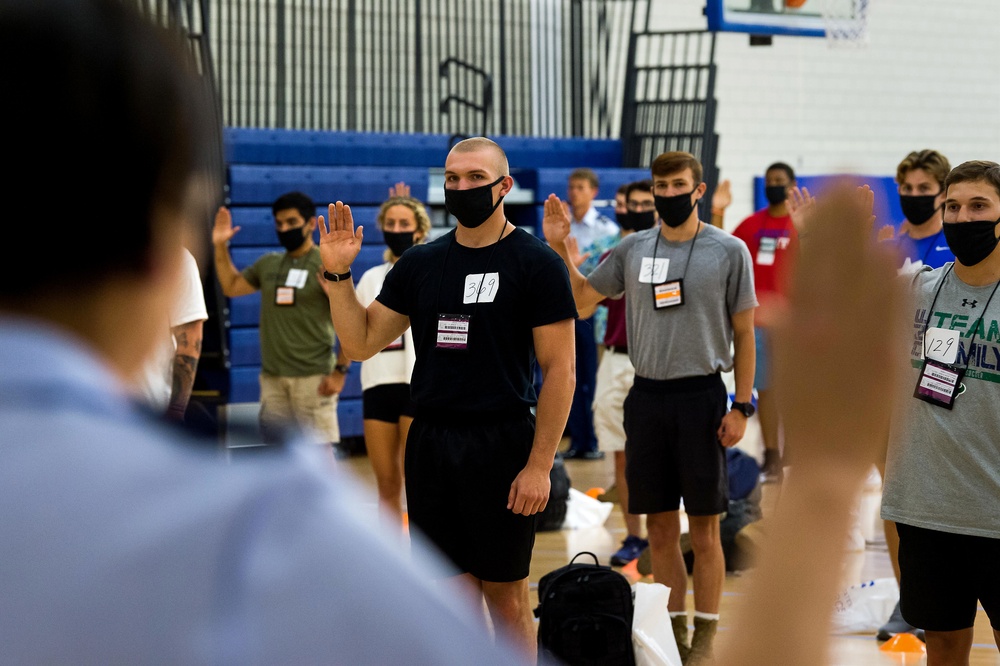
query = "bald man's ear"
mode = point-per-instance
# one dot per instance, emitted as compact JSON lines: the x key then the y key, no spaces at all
{"x":506,"y":186}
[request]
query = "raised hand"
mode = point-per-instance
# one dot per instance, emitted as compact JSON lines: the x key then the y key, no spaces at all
{"x":845,"y":312}
{"x":555,"y":221}
{"x":867,"y":199}
{"x":574,"y":252}
{"x":339,"y":245}
{"x":223,"y":230}
{"x":886,"y":233}
{"x":722,"y":196}
{"x":799,"y":204}
{"x":400,"y":189}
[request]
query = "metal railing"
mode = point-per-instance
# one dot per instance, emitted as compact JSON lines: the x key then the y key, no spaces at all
{"x":670,"y":99}
{"x":557,"y":67}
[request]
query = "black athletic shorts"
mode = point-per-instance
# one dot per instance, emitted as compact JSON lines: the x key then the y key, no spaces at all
{"x":943,"y":575}
{"x":458,"y":477}
{"x":387,"y":402}
{"x":672,"y":448}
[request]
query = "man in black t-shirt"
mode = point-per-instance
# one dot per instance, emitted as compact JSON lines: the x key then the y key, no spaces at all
{"x":485,"y":303}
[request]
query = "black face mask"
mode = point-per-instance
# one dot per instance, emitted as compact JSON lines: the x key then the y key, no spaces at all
{"x":474,"y":206}
{"x":971,"y":242}
{"x":918,"y":209}
{"x":292,"y":239}
{"x":776,"y":194}
{"x":622,"y":220}
{"x":641,"y":220}
{"x":398,"y":242}
{"x":675,"y":210}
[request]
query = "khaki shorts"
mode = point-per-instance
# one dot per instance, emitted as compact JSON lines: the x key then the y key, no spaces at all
{"x":294,"y":401}
{"x":615,"y":375}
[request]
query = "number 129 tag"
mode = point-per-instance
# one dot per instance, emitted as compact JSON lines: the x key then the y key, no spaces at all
{"x":941,"y":345}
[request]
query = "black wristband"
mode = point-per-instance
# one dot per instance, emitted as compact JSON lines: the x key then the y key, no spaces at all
{"x":342,"y":369}
{"x":337,"y":277}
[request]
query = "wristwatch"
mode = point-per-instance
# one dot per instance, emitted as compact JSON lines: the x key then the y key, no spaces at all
{"x":342,"y":369}
{"x":745,"y":408}
{"x":337,"y":277}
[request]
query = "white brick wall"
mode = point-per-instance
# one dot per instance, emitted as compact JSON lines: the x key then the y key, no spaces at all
{"x":928,"y":78}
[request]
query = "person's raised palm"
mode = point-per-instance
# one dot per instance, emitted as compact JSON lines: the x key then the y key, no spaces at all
{"x":223,"y":230}
{"x":555,"y":220}
{"x":339,"y":245}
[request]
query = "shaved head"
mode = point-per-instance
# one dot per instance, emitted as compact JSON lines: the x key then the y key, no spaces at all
{"x":497,"y":160}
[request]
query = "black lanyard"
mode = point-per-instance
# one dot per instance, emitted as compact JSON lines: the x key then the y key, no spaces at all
{"x":975,"y":328}
{"x":489,"y":261}
{"x":656,"y":243}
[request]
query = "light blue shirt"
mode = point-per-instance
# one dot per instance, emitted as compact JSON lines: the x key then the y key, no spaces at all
{"x":124,"y":542}
{"x":593,"y":228}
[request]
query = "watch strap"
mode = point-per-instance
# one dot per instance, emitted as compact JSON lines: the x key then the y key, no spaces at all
{"x":337,"y":277}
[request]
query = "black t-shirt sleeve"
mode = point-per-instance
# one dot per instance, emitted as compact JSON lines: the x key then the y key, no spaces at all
{"x":554,"y":302}
{"x":395,"y":293}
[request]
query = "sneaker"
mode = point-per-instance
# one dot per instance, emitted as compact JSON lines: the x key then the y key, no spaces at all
{"x":631,"y":547}
{"x":772,"y":469}
{"x":575,"y":454}
{"x":897,"y":625}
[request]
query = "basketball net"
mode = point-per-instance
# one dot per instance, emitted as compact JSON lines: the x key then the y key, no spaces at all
{"x":846,"y":23}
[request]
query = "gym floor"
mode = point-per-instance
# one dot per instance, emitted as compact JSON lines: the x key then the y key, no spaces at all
{"x":555,"y":549}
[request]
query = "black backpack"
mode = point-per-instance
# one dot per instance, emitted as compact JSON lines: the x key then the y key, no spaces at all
{"x":551,"y":518}
{"x":585,"y":615}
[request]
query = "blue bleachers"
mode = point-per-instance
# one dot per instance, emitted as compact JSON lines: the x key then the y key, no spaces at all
{"x":549,"y":180}
{"x":322,"y":148}
{"x":260,"y":185}
{"x":257,"y":224}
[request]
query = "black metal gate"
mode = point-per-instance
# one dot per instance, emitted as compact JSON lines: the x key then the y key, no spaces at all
{"x":670,"y":99}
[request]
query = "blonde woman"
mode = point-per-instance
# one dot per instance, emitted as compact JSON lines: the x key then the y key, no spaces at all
{"x":385,"y":377}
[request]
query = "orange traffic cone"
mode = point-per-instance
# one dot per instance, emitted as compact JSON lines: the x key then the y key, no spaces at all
{"x":631,"y":571}
{"x":905,"y":646}
{"x":594,"y":492}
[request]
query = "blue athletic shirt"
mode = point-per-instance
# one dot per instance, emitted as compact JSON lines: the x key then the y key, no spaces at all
{"x":932,"y":251}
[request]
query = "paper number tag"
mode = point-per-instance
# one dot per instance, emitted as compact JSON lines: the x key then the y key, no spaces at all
{"x":296,"y":278}
{"x":941,"y":345}
{"x":766,"y":250}
{"x":486,"y":284}
{"x":653,"y":271}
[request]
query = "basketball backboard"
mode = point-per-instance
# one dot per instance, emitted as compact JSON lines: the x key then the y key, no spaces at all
{"x":803,"y":18}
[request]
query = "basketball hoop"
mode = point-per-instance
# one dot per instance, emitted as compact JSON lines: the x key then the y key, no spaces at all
{"x":846,"y":22}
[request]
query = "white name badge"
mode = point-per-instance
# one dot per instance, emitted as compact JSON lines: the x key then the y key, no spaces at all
{"x":653,"y":270}
{"x":296,"y":278}
{"x":941,"y":345}
{"x":766,"y":250}
{"x":453,"y":331}
{"x":481,"y":287}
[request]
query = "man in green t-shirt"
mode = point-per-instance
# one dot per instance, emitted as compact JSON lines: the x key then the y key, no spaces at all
{"x":300,"y":377}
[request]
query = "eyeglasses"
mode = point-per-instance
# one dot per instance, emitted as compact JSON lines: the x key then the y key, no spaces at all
{"x":640,"y":206}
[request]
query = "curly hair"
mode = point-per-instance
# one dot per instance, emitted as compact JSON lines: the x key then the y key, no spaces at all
{"x":419,"y":213}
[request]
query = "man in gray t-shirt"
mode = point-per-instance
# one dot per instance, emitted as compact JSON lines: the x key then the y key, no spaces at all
{"x":689,"y":303}
{"x":942,"y":474}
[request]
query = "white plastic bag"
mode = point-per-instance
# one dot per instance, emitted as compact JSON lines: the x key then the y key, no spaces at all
{"x":866,"y":607}
{"x":582,"y":510}
{"x":652,"y":634}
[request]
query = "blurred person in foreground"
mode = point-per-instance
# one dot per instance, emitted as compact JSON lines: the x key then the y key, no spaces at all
{"x":124,"y":541}
{"x":843,"y":305}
